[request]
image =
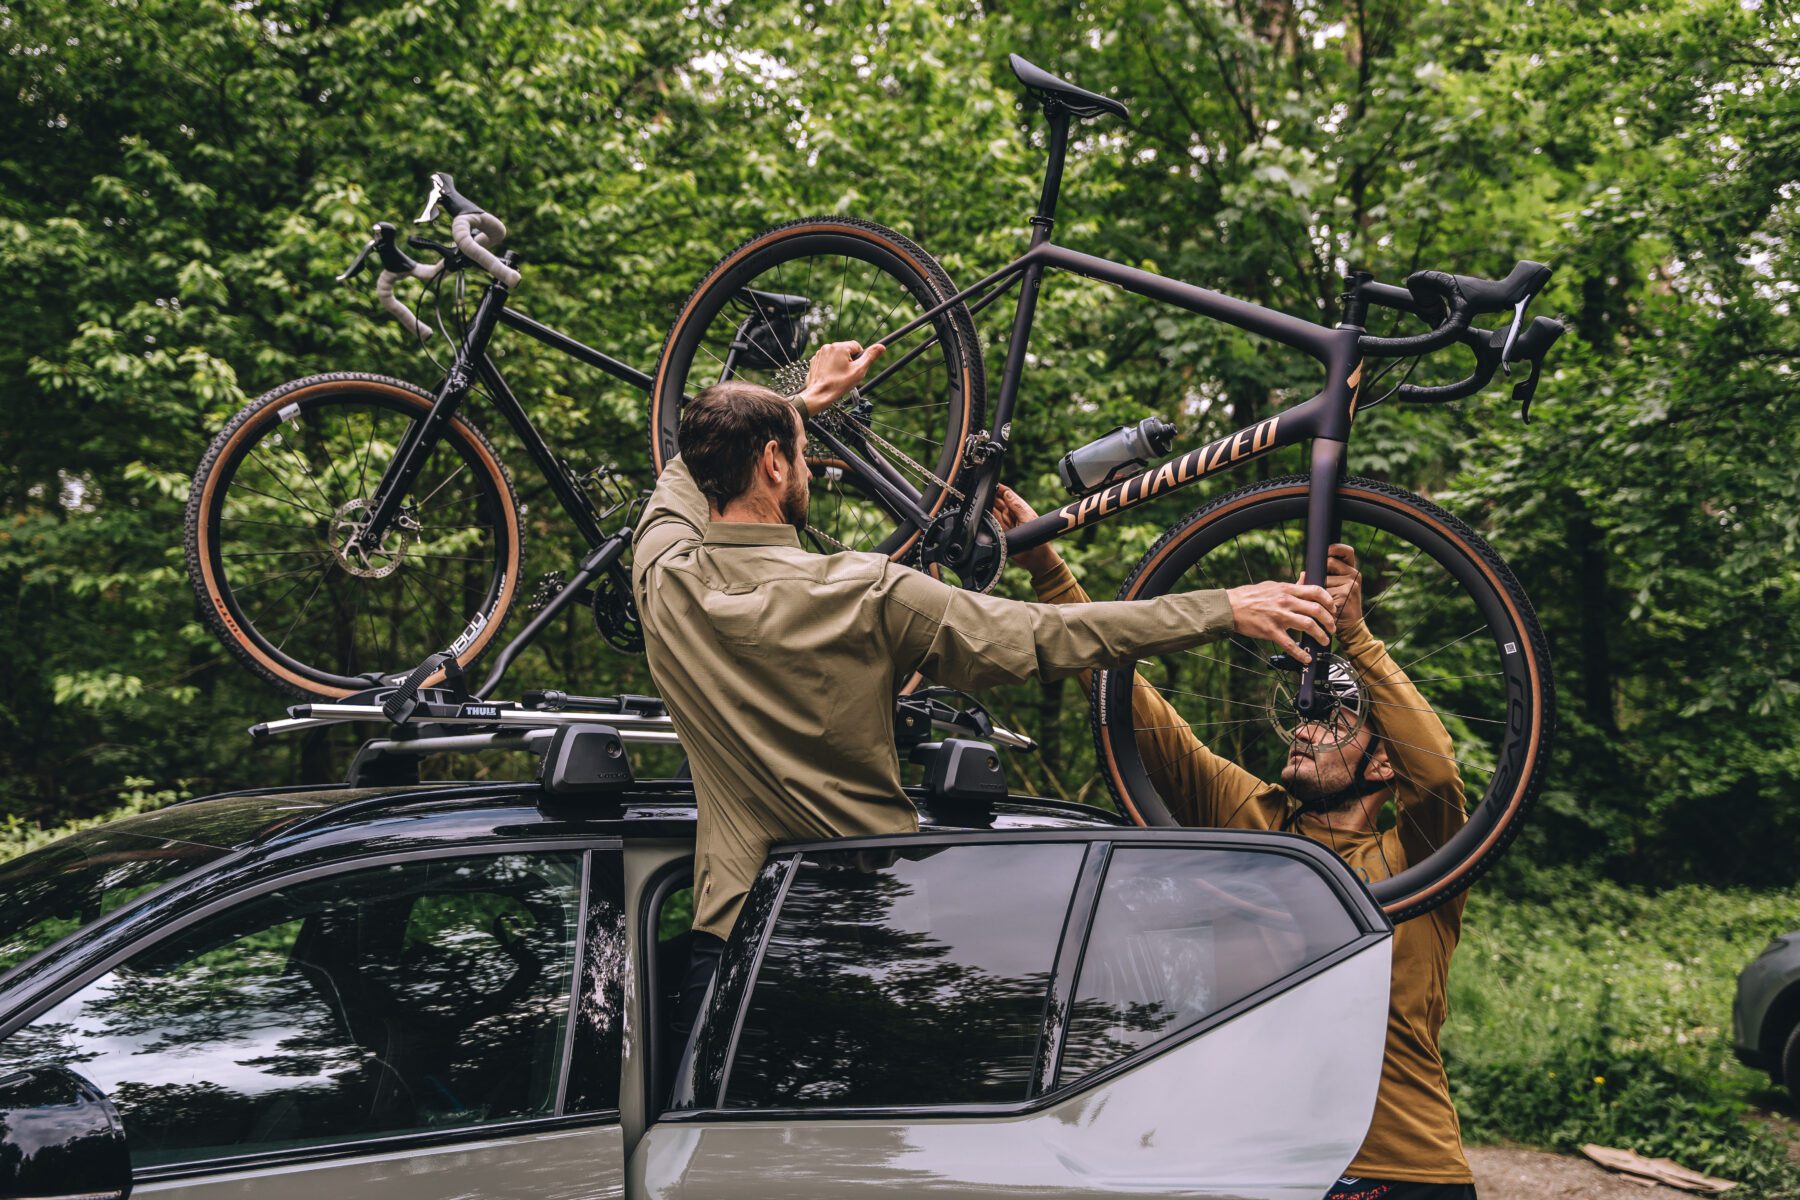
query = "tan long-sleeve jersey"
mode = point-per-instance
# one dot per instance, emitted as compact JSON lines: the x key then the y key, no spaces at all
{"x":780,"y":667}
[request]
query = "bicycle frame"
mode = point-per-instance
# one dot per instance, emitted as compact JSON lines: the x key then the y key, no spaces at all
{"x":472,"y":362}
{"x":1325,"y":419}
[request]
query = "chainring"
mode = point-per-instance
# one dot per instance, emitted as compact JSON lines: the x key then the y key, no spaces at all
{"x":986,"y":562}
{"x":616,"y":615}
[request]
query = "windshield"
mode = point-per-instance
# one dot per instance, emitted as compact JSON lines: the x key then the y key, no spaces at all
{"x":50,"y":893}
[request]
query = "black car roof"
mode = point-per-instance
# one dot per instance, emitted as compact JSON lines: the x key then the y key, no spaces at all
{"x":652,"y":808}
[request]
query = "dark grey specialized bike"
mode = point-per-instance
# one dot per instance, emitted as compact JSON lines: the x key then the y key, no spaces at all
{"x":907,"y":468}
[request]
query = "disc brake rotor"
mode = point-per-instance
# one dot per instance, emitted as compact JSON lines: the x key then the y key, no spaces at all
{"x":376,"y":562}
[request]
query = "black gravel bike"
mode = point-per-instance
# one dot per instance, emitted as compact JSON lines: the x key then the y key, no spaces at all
{"x":907,"y":467}
{"x":345,"y":528}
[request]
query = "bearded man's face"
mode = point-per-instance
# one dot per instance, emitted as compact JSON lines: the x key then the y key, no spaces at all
{"x":1322,"y":761}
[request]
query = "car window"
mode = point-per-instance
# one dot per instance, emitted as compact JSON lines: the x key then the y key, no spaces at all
{"x":909,"y":977}
{"x":1181,"y":933}
{"x":420,"y":996}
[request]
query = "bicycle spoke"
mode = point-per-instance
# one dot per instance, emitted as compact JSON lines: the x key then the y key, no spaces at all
{"x":420,"y":506}
{"x":284,"y":487}
{"x":1163,"y":688}
{"x":323,"y":576}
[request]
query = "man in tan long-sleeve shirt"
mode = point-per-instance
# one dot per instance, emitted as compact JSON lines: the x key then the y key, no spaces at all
{"x":780,"y":666}
{"x":1413,"y":1150}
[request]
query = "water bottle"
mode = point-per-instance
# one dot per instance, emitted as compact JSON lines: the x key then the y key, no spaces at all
{"x":1107,"y":459}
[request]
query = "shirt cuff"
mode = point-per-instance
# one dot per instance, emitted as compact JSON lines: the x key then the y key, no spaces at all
{"x":1057,"y":585}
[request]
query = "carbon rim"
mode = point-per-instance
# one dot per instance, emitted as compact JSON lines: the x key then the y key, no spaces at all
{"x":860,"y":281}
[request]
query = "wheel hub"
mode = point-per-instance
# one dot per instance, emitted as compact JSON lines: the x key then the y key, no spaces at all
{"x":370,"y":562}
{"x":1338,"y":687}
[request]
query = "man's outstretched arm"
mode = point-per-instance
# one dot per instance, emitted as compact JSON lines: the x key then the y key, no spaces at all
{"x":1428,"y":785}
{"x":975,"y":641}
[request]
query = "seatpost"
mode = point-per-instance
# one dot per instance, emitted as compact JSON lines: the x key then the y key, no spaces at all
{"x":1059,"y":145}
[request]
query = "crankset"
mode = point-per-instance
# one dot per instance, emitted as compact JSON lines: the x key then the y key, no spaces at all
{"x":616,"y":615}
{"x":986,"y":558}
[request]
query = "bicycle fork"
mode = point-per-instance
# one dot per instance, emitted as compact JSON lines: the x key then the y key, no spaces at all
{"x":1324,"y":526}
{"x":422,"y":435}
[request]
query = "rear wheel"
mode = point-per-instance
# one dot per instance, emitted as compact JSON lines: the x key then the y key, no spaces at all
{"x":269,"y":521}
{"x":767,"y":307}
{"x":1467,"y":669}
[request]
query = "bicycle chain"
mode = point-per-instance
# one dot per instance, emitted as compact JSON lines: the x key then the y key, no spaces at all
{"x":837,"y":418}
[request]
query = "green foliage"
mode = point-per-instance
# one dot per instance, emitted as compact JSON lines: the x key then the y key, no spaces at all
{"x":1601,"y":1014}
{"x":179,"y":180}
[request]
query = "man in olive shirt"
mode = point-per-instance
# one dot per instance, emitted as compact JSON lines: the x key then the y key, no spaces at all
{"x":780,"y":666}
{"x":1413,"y":1150}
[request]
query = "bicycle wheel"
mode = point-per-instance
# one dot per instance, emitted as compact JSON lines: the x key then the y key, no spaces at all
{"x":762,"y":312}
{"x":268,"y":520}
{"x":1463,"y":650}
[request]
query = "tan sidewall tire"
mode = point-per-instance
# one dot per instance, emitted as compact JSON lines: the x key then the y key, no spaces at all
{"x":208,"y":588}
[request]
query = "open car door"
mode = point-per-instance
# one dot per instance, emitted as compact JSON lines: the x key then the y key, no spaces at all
{"x":1077,"y":1013}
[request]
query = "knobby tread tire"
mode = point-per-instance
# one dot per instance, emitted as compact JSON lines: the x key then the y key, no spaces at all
{"x":1458,"y":876}
{"x":223,"y":627}
{"x":936,"y":278}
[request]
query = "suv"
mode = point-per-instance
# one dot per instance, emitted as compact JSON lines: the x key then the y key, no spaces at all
{"x":465,"y":990}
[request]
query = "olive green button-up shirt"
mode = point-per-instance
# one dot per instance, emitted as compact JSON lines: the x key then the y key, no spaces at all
{"x":780,"y":666}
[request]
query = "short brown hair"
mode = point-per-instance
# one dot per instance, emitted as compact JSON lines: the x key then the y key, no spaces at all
{"x":724,"y":430}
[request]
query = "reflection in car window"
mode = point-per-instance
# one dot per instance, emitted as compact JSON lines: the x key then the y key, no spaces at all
{"x":50,"y":893}
{"x":906,"y":978}
{"x":418,"y":996}
{"x":1181,"y":933}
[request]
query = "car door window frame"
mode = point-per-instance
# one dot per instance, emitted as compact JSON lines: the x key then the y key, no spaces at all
{"x":750,"y":938}
{"x":587,"y":847}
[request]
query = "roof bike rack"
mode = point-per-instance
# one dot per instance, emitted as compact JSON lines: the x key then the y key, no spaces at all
{"x":583,"y":739}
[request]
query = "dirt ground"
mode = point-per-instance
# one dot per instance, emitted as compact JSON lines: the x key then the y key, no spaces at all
{"x":1508,"y":1173}
{"x":1514,"y":1173}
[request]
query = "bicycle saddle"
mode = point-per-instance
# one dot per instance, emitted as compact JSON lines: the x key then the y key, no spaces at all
{"x":1078,"y":101}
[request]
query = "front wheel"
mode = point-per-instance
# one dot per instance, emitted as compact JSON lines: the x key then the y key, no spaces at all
{"x":1442,"y":705}
{"x":275,"y":566}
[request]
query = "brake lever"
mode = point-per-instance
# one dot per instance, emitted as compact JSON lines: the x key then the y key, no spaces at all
{"x":362,"y":256}
{"x":387,"y":241}
{"x":1512,"y":335}
{"x":1533,"y":347}
{"x":431,"y":203}
{"x":1526,"y":388}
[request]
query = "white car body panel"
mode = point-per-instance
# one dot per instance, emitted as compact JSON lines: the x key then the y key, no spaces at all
{"x":1271,"y":1105}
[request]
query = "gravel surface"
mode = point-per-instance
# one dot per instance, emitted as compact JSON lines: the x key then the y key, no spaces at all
{"x":1507,"y":1173}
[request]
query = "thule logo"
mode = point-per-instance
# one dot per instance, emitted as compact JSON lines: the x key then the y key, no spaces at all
{"x":480,"y":710}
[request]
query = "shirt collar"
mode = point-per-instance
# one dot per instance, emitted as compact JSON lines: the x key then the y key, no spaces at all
{"x":750,"y":533}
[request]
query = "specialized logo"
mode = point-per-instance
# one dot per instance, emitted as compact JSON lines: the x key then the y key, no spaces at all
{"x":1245,"y":443}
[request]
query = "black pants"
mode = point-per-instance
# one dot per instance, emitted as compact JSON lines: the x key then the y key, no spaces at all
{"x":1353,"y":1187}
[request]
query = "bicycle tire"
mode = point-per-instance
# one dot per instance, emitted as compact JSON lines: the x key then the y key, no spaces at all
{"x":899,"y":257}
{"x":1488,"y":584}
{"x":221,"y":606}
